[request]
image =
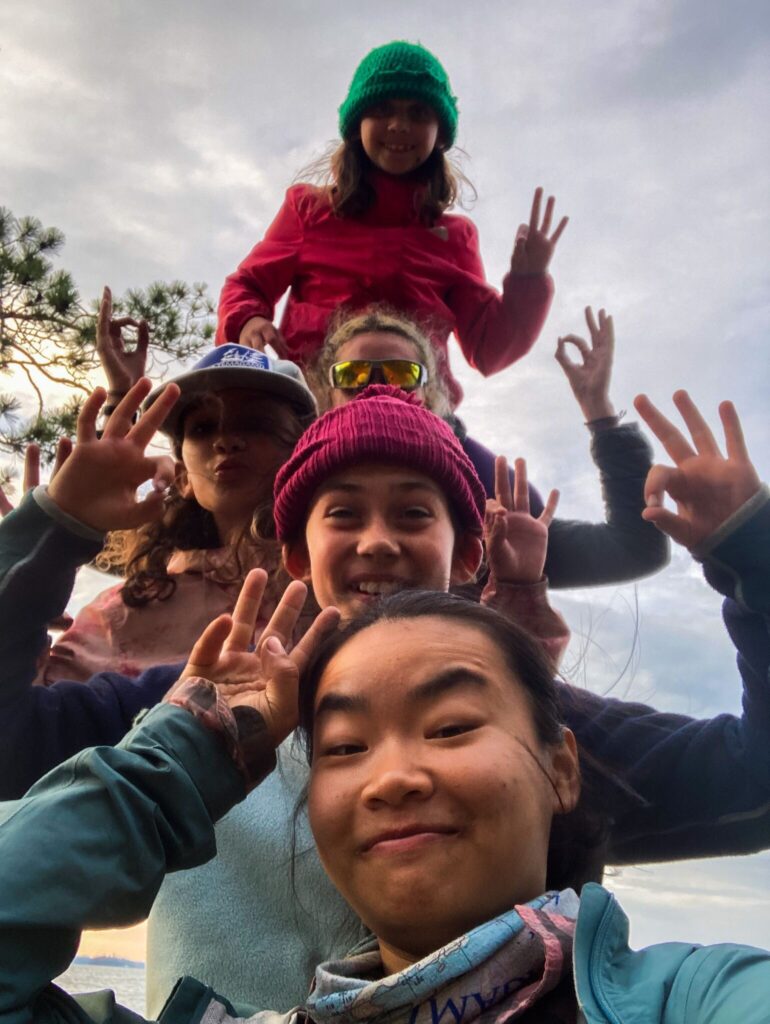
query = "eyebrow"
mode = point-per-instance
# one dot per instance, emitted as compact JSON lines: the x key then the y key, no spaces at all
{"x":332,"y":702}
{"x":460,"y":678}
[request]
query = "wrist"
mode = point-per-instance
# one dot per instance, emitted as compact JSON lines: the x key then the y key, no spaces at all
{"x":242,"y":729}
{"x":69,"y":520}
{"x":594,"y":409}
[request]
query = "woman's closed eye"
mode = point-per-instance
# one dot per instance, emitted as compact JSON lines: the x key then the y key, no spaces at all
{"x":341,"y":749}
{"x":453,"y":729}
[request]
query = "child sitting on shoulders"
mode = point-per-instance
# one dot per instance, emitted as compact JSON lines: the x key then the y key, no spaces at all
{"x":378,"y":231}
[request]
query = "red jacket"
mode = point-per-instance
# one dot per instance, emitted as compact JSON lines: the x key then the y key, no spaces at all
{"x":434,"y":274}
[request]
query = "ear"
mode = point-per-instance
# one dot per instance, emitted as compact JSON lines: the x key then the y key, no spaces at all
{"x":466,"y":558}
{"x":565,"y":774}
{"x":182,"y":480}
{"x":296,"y":559}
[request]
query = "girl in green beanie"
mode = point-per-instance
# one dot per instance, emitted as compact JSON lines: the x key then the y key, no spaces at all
{"x":377,"y":230}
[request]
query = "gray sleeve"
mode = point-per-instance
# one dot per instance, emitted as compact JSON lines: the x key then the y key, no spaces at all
{"x":624,"y":547}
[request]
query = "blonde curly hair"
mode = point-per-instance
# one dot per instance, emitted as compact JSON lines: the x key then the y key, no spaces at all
{"x":345,"y":326}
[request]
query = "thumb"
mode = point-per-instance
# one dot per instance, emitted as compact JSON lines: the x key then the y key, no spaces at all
{"x":165,"y":471}
{"x":142,"y":512}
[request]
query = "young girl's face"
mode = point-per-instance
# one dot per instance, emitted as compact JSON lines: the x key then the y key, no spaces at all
{"x":374,"y":529}
{"x":431,"y":795}
{"x":399,"y":135}
{"x":374,"y":345}
{"x":233,"y":443}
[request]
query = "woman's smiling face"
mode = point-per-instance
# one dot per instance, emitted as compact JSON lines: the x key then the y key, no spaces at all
{"x":374,"y":529}
{"x":431,"y":796}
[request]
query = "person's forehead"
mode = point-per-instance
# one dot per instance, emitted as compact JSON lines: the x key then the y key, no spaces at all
{"x":419,"y":650}
{"x":378,"y":345}
{"x":236,"y":399}
{"x":363,"y":477}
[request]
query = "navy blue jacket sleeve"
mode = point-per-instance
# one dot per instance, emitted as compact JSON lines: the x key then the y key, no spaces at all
{"x":42,"y":726}
{"x":624,"y":547}
{"x":704,"y":784}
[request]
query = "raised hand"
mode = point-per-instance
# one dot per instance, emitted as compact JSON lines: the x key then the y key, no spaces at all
{"x":706,"y":486}
{"x":266,"y":678}
{"x":121,"y":367}
{"x":534,"y":247}
{"x":97,"y":484}
{"x":32,"y":470}
{"x":516,"y":542}
{"x":259,"y":332}
{"x":590,"y":378}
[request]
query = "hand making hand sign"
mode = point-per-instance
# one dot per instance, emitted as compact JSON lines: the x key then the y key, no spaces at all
{"x":516,"y":542}
{"x":534,"y":246}
{"x":707,"y":486}
{"x":122,"y":367}
{"x":590,"y":378}
{"x":97,"y":484}
{"x":265,"y":678}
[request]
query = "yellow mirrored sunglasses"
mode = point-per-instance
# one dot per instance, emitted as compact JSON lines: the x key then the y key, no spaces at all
{"x":354,"y":374}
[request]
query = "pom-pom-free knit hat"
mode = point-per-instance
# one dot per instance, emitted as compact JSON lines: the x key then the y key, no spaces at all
{"x":383,"y":424}
{"x":398,"y":70}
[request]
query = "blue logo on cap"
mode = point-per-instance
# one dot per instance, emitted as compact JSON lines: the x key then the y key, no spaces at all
{"x":234,"y":356}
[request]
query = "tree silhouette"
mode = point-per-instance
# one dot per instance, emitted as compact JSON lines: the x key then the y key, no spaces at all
{"x":47,"y":335}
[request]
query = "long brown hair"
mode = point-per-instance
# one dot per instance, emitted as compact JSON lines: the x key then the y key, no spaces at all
{"x":343,"y":175}
{"x":142,"y":555}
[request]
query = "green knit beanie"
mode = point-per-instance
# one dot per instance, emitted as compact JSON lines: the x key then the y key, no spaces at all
{"x":398,"y":70}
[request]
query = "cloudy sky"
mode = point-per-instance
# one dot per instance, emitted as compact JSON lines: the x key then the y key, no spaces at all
{"x":160,"y":139}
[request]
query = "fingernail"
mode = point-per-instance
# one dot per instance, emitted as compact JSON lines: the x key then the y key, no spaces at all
{"x":273,"y":644}
{"x":654,"y":501}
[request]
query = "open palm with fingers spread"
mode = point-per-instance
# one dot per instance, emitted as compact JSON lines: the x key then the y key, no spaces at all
{"x":266,"y":677}
{"x":98,"y":482}
{"x":707,"y":486}
{"x":516,"y":542}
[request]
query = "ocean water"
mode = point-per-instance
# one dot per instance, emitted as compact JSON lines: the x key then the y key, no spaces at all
{"x":126,"y":982}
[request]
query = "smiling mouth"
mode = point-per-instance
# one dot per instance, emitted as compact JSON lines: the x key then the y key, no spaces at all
{"x":377,"y":588}
{"x":393,"y":148}
{"x":407,"y":839}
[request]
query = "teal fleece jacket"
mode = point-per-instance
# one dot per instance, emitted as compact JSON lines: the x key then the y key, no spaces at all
{"x":90,"y":843}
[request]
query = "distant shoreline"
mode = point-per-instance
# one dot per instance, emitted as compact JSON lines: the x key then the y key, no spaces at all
{"x":107,"y":961}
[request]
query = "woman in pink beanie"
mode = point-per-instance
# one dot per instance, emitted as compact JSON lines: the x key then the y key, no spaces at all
{"x":379,"y":496}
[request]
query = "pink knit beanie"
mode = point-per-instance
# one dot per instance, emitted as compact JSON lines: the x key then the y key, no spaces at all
{"x":383,"y":424}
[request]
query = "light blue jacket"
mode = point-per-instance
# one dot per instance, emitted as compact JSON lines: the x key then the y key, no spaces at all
{"x":91,"y":842}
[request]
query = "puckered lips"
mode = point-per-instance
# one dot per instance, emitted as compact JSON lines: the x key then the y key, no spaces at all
{"x":229,"y":467}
